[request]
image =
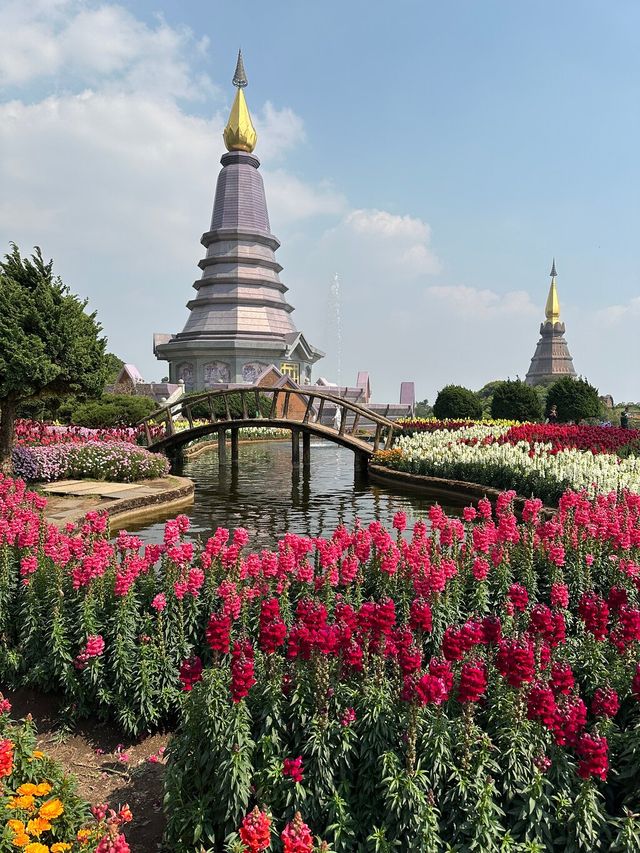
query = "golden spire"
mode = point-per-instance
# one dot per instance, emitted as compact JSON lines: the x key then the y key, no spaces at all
{"x":552,"y":309}
{"x":240,"y":134}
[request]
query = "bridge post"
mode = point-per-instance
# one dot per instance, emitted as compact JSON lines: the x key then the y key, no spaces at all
{"x":306,"y":449}
{"x":234,"y":446}
{"x":295,"y":447}
{"x":222,"y":446}
{"x":360,"y":465}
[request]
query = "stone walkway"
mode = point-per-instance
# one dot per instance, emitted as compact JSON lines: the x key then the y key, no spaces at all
{"x":69,"y":500}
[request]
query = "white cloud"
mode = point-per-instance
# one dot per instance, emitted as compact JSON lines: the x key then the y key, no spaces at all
{"x":613,"y":315}
{"x":72,"y":40}
{"x":400,"y":240}
{"x":111,"y":175}
{"x":473,"y":302}
{"x":291,"y":199}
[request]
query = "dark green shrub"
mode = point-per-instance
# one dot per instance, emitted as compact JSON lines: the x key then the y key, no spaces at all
{"x":515,"y":401}
{"x":456,"y":402}
{"x":201,"y":410}
{"x":574,"y":399}
{"x":48,"y":409}
{"x":113,"y":410}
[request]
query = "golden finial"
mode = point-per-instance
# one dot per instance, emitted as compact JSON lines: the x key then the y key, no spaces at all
{"x":552,"y":309}
{"x":240,"y":134}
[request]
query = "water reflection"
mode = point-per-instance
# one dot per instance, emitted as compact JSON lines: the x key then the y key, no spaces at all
{"x":267,"y":497}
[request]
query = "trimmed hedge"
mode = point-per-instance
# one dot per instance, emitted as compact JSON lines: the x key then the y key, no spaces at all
{"x":113,"y":410}
{"x":515,"y":401}
{"x":454,"y":401}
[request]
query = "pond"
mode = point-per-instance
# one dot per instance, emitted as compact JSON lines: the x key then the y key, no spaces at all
{"x":265,"y":495}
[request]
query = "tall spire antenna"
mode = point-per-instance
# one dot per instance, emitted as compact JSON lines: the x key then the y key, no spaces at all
{"x":240,"y":134}
{"x":552,"y":308}
{"x":240,"y":76}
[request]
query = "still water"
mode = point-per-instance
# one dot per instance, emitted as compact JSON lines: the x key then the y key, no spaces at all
{"x":267,"y":497}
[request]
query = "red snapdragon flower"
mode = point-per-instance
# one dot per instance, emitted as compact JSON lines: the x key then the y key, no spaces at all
{"x":190,"y":672}
{"x":593,"y":756}
{"x":515,"y":661}
{"x":255,"y":832}
{"x":518,"y":596}
{"x":6,"y":757}
{"x":541,"y":705}
{"x":594,"y":612}
{"x":605,"y":702}
{"x":242,"y":670}
{"x":218,"y":633}
{"x":296,"y":836}
{"x":293,"y":767}
{"x":473,"y":681}
{"x":562,"y":680}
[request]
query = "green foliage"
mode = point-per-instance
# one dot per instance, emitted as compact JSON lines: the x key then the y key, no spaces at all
{"x":202,"y":411}
{"x":574,"y":399}
{"x":456,"y":402}
{"x":49,"y":344}
{"x":48,"y":409}
{"x":113,"y":410}
{"x":113,"y":366}
{"x":32,"y":766}
{"x":423,"y":409}
{"x":514,"y":401}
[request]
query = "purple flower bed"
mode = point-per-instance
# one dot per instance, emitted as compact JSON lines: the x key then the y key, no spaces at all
{"x":104,"y":460}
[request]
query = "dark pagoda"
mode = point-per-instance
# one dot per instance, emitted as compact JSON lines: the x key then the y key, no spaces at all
{"x":552,"y":359}
{"x":239,"y":322}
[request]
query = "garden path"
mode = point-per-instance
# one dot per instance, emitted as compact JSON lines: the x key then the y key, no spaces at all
{"x":108,"y":766}
{"x":70,"y":500}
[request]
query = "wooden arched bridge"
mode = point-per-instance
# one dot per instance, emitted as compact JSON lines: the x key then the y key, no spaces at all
{"x":302,"y":412}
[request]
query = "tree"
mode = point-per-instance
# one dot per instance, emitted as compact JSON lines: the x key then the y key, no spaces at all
{"x":423,"y":409}
{"x":49,"y":344}
{"x":574,"y":399}
{"x":113,"y":410}
{"x":113,"y":366}
{"x":515,"y":401}
{"x":454,"y":401}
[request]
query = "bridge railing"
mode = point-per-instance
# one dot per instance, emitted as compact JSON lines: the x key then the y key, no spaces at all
{"x":261,"y":403}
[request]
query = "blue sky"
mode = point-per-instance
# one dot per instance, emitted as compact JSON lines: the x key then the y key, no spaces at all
{"x":435,"y":155}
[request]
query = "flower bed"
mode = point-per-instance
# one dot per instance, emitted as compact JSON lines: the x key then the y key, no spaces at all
{"x":40,"y":811}
{"x":412,"y":425}
{"x":485,"y":454}
{"x":36,"y":432}
{"x":118,"y":461}
{"x":474,"y":679}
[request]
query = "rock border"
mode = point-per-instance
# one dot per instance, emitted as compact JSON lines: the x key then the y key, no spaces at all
{"x":450,"y":491}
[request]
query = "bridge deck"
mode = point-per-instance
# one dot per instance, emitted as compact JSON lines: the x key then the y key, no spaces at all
{"x":289,"y":408}
{"x":320,"y":430}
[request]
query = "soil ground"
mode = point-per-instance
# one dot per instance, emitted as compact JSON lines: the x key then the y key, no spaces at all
{"x":108,"y":766}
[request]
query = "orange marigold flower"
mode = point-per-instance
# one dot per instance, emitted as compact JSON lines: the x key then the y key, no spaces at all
{"x":83,"y":835}
{"x":37,"y":826}
{"x":51,"y":809}
{"x":37,"y":754}
{"x":60,"y":847}
{"x":36,"y":847}
{"x":27,"y":789}
{"x":21,"y":839}
{"x":24,"y":802}
{"x":42,"y":789}
{"x":15,"y":825}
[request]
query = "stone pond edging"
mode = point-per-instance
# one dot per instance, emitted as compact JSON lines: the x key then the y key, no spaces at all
{"x":451,"y":492}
